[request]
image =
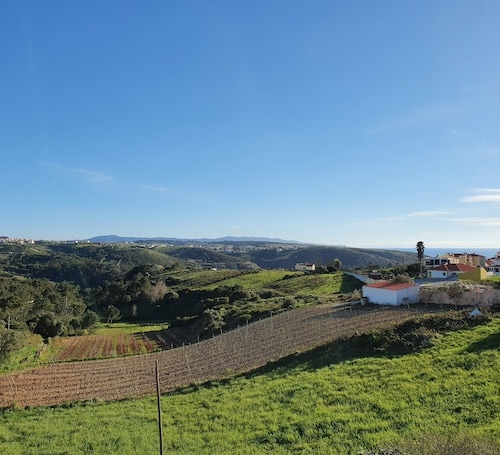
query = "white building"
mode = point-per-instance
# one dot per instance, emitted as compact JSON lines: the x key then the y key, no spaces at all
{"x":447,"y":271}
{"x":493,"y":264}
{"x":305,"y":267}
{"x":391,"y":293}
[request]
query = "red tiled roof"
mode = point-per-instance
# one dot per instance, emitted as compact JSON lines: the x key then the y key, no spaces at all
{"x":390,"y":285}
{"x":455,"y":268}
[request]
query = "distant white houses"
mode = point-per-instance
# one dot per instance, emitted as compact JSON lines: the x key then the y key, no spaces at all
{"x":391,"y":293}
{"x":493,"y":264}
{"x":305,"y":267}
{"x":4,"y":239}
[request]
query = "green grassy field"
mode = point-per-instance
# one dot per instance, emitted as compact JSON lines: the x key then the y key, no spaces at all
{"x":318,"y":285}
{"x":256,"y":280}
{"x":286,"y":281}
{"x":126,"y":327}
{"x":309,"y":404}
{"x":293,"y":283}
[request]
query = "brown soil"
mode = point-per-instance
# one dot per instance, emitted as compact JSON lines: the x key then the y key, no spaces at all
{"x":238,"y":351}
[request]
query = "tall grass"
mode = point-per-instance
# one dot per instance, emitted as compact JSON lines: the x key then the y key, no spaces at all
{"x":309,"y":404}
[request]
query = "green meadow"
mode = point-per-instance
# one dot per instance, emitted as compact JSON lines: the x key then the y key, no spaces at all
{"x":313,"y":403}
{"x":285,"y":281}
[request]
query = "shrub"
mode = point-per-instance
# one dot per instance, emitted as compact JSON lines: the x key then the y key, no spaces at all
{"x":9,"y":342}
{"x":269,"y":293}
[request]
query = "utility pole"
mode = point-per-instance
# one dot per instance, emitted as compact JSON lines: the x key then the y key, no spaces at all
{"x":158,"y":395}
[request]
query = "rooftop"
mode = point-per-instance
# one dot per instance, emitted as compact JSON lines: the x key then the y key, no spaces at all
{"x":391,"y":285}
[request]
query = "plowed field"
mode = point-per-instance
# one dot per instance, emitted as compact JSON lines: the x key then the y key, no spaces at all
{"x":100,"y":346}
{"x":238,"y":351}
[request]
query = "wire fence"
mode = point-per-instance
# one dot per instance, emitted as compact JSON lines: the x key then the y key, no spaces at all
{"x":240,"y":350}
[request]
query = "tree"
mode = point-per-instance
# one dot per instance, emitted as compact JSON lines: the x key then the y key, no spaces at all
{"x":112,"y":313}
{"x":420,"y":254}
{"x":89,"y":319}
{"x":337,"y":264}
{"x":48,"y":325}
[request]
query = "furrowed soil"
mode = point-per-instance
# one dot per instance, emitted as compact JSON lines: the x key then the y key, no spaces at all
{"x":234,"y":352}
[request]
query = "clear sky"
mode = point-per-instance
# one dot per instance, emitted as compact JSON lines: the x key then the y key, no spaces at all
{"x":359,"y":123}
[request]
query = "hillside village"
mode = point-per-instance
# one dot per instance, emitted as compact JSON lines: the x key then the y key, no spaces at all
{"x":451,"y":278}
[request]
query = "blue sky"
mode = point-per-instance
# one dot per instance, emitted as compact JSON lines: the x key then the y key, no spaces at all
{"x":357,"y":123}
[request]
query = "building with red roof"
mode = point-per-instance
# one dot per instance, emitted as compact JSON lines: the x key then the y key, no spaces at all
{"x":446,"y":271}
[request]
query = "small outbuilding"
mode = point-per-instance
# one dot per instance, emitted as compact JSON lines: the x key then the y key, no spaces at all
{"x":305,"y":267}
{"x":391,"y":293}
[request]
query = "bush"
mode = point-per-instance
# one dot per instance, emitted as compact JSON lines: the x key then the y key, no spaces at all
{"x":269,"y":293}
{"x":413,"y":334}
{"x":9,"y":342}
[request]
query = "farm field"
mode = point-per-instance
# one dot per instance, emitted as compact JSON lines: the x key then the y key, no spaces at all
{"x":237,"y":351}
{"x":308,"y":404}
{"x":105,"y":341}
{"x":101,"y":346}
{"x":119,"y":339}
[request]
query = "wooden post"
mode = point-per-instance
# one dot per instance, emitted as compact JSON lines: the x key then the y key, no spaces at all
{"x":158,"y":395}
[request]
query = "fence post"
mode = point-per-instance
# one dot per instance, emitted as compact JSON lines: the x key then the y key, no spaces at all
{"x":158,"y":395}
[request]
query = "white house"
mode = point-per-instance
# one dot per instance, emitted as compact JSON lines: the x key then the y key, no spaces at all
{"x":305,"y":267}
{"x":391,"y":293}
{"x":449,"y":270}
{"x":494,"y":264}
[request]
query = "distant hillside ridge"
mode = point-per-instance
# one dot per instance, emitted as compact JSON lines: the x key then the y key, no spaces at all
{"x":267,"y":253}
{"x":111,"y":238}
{"x":323,"y":255}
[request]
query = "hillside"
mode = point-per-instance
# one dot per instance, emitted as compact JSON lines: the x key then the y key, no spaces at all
{"x":82,"y":263}
{"x":236,"y":351}
{"x":64,"y":288}
{"x":351,"y":258}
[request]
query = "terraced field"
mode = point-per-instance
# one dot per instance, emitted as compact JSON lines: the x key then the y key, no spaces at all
{"x":237,"y":351}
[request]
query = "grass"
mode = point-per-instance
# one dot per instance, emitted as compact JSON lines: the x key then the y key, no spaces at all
{"x":24,"y":357}
{"x":293,"y":283}
{"x":198,"y":279}
{"x":318,"y":285}
{"x":256,"y":280}
{"x":126,"y":328}
{"x":285,"y":281}
{"x":492,"y":280}
{"x":308,"y":404}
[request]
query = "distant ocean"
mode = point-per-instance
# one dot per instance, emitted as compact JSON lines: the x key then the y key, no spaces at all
{"x":432,"y":252}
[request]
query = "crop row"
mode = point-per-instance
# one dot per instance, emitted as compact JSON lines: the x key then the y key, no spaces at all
{"x":238,"y":351}
{"x":101,"y":346}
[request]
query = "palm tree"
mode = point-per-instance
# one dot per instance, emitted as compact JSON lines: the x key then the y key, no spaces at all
{"x":420,"y":254}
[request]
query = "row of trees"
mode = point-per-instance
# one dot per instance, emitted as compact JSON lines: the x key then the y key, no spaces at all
{"x":40,"y":306}
{"x":43,"y":306}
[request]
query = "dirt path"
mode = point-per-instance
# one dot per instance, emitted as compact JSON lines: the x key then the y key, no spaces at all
{"x":238,"y":351}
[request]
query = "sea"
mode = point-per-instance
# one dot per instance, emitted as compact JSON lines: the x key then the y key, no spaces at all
{"x":433,"y":252}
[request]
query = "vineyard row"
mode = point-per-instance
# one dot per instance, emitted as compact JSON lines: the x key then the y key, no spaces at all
{"x":238,"y":351}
